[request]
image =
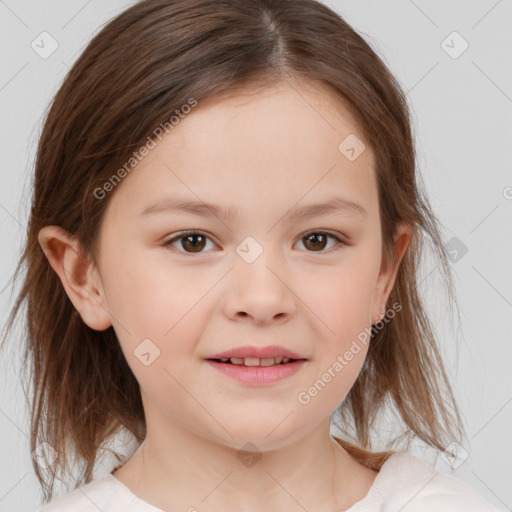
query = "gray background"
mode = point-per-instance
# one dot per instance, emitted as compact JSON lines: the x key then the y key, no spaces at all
{"x":462,"y":115}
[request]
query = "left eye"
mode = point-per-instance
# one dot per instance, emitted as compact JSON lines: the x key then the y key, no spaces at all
{"x":318,"y":239}
{"x":195,"y":241}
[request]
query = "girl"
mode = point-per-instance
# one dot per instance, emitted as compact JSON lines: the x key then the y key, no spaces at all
{"x":222,"y":256}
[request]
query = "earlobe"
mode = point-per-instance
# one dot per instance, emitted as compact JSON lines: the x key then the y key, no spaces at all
{"x":77,"y":275}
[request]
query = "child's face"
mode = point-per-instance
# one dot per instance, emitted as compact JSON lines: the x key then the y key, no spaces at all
{"x":261,"y":156}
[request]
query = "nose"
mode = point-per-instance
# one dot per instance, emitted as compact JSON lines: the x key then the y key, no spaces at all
{"x":260,"y":292}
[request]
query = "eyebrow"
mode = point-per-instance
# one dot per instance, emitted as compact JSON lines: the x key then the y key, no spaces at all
{"x":200,"y":208}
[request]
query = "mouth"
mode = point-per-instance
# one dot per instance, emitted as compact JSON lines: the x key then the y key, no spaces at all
{"x":256,"y":361}
{"x":250,"y":355}
{"x":257,"y":365}
{"x":251,"y":370}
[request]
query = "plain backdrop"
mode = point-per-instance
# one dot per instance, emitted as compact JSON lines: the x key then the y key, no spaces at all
{"x":454,"y":60}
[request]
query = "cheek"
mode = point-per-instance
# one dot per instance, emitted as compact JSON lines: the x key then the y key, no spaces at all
{"x":162,"y":313}
{"x":151,"y":299}
{"x":342,"y":343}
{"x":341,"y":297}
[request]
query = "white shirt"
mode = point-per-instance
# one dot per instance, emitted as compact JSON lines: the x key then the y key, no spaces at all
{"x":404,"y":483}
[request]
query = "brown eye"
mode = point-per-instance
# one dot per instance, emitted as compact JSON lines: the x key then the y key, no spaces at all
{"x":193,"y":243}
{"x":316,"y":241}
{"x":189,"y":242}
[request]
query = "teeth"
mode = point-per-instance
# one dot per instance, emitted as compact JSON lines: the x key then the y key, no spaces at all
{"x":255,"y":361}
{"x":251,"y":361}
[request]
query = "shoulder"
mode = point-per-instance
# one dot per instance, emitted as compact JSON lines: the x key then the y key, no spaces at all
{"x":408,"y":483}
{"x":100,"y":494}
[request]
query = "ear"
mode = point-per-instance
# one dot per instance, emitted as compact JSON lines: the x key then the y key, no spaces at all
{"x":79,"y":277}
{"x":389,"y":270}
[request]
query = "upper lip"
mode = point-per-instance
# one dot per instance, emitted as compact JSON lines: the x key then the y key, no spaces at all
{"x":259,"y":352}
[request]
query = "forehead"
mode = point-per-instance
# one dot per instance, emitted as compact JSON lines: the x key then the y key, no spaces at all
{"x":258,"y":145}
{"x":289,"y":108}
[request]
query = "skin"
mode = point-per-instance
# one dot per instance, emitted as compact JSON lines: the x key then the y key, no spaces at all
{"x":260,"y":154}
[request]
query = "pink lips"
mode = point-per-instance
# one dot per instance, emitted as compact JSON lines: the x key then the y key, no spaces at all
{"x":258,"y":374}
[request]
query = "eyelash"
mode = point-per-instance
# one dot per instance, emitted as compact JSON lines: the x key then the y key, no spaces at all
{"x":183,"y":234}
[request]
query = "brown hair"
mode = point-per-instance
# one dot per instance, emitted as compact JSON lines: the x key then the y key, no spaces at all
{"x":142,"y":66}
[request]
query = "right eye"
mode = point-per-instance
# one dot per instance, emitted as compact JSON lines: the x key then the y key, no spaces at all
{"x":191,"y":242}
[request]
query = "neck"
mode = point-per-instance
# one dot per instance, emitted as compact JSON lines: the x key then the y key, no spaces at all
{"x":175,"y":468}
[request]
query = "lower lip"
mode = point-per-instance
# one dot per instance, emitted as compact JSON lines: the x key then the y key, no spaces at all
{"x":258,"y":374}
